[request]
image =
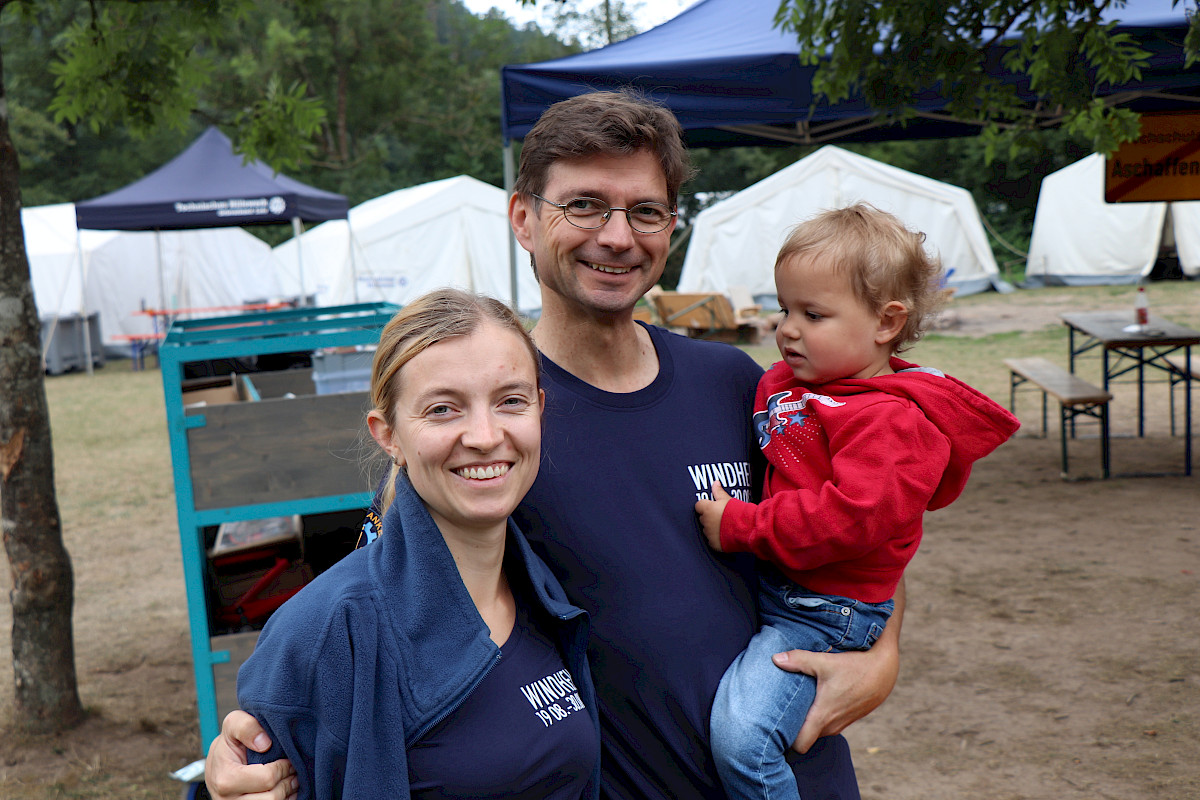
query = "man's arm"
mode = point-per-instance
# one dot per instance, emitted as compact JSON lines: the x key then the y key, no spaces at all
{"x":849,"y":685}
{"x":228,"y":774}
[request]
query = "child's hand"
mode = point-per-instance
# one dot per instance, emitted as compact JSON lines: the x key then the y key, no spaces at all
{"x":710,"y":512}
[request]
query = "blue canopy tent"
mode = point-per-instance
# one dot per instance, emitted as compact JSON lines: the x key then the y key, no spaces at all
{"x":208,"y":185}
{"x":733,"y":78}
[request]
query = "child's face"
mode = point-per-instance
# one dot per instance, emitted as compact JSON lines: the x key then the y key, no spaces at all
{"x":829,"y":333}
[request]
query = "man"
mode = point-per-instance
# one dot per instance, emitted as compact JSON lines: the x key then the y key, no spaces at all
{"x":637,"y":423}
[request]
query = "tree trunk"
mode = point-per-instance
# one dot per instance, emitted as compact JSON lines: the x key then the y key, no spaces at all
{"x":47,"y":698}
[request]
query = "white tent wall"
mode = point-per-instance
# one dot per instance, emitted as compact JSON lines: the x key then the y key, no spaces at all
{"x":52,"y":243}
{"x":734,"y":242}
{"x":1185,"y":218}
{"x":201,"y":269}
{"x":1080,"y":240}
{"x":452,"y":232}
{"x":211,"y":267}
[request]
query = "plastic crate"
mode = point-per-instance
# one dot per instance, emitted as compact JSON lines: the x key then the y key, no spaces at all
{"x":341,"y":370}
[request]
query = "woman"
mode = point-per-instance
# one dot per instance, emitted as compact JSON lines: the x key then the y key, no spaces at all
{"x":444,"y":659}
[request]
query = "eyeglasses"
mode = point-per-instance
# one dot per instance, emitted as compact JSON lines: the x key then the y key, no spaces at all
{"x":589,"y":213}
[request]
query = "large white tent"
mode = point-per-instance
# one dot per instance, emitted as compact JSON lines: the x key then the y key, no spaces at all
{"x":125,"y":272}
{"x":1079,"y":240}
{"x":393,"y":248}
{"x":734,"y":241}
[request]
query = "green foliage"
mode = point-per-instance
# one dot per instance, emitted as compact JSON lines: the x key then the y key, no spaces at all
{"x":891,"y":51}
{"x":131,"y":64}
{"x":277,"y":127}
{"x":411,"y":87}
{"x":356,"y":96}
{"x":605,"y":22}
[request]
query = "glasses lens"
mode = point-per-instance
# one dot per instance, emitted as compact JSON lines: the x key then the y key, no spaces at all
{"x":590,"y":213}
{"x":585,"y":212}
{"x":649,"y":217}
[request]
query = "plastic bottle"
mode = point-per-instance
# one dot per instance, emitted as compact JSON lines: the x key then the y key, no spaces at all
{"x":1141,"y":307}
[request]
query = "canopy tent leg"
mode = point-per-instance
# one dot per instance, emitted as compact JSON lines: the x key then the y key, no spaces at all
{"x":353,"y":263}
{"x":83,"y":310}
{"x":509,"y":180}
{"x":162,"y":287}
{"x":297,"y":229}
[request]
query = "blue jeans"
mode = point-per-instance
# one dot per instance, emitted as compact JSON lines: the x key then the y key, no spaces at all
{"x":759,"y":707}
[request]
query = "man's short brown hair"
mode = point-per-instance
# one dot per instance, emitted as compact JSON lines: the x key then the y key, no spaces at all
{"x":604,"y":123}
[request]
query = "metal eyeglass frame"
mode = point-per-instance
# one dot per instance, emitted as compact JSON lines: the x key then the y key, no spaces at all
{"x":607,"y":214}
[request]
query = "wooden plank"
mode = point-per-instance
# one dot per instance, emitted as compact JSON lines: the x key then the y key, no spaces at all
{"x":240,"y":646}
{"x":1114,"y":329}
{"x":277,"y":383}
{"x":1067,"y":388}
{"x":278,"y":450}
{"x":704,"y":311}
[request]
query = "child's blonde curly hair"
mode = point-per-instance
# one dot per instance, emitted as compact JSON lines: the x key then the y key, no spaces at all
{"x":883,"y":260}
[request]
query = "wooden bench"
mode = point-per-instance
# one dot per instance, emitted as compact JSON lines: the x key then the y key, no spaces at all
{"x":139,"y":345}
{"x":1181,"y":370}
{"x":1076,"y":397}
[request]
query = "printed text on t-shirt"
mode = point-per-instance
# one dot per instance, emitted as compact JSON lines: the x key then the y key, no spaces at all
{"x":734,"y":477}
{"x":554,"y":697}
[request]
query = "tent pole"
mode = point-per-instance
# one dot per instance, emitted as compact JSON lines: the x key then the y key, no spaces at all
{"x":83,"y":312}
{"x":296,"y":231}
{"x":509,"y":180}
{"x":162,"y":290}
{"x":353,"y":266}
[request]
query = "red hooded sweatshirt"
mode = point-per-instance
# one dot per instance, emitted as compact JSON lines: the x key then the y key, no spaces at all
{"x":852,"y":466}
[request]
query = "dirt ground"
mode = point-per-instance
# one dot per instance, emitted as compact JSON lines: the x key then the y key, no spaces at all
{"x":1050,"y":647}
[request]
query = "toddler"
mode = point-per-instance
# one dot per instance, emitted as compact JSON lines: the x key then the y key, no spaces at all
{"x":858,"y":445}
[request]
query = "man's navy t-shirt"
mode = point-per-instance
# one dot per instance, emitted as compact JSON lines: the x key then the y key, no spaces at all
{"x":612,"y":513}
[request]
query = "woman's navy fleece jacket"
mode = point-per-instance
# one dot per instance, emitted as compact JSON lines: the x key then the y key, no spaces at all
{"x":360,"y":664}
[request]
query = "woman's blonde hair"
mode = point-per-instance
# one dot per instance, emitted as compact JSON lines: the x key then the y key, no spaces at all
{"x":432,"y":318}
{"x":882,"y":259}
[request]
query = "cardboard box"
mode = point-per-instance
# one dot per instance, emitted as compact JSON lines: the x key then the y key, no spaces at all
{"x":211,"y":391}
{"x":248,"y":534}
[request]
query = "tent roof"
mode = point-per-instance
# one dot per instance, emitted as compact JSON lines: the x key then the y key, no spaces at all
{"x":733,"y":78}
{"x":450,"y":232}
{"x":208,"y":186}
{"x":734,"y":241}
{"x":123,"y":272}
{"x":1078,"y":239}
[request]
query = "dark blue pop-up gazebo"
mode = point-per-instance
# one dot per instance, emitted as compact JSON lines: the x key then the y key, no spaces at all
{"x":733,"y":78}
{"x":209,"y":186}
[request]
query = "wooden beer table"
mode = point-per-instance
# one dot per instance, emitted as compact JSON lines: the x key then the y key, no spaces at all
{"x":1126,"y":347}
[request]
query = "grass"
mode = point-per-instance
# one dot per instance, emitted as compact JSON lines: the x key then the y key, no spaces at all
{"x":117,"y":417}
{"x":975,"y":361}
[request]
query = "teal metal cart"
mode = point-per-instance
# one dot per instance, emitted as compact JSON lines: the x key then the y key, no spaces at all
{"x":271,"y":447}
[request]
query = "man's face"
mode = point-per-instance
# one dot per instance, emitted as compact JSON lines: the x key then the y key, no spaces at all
{"x":607,"y":269}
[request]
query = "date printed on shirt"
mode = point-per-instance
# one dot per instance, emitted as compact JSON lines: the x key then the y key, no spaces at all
{"x":554,"y":697}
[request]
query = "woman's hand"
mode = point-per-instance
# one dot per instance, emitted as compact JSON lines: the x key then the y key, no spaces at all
{"x":229,"y":775}
{"x":849,"y":685}
{"x":710,"y":512}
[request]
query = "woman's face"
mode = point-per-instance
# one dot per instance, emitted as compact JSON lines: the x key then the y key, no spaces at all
{"x":468,"y":427}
